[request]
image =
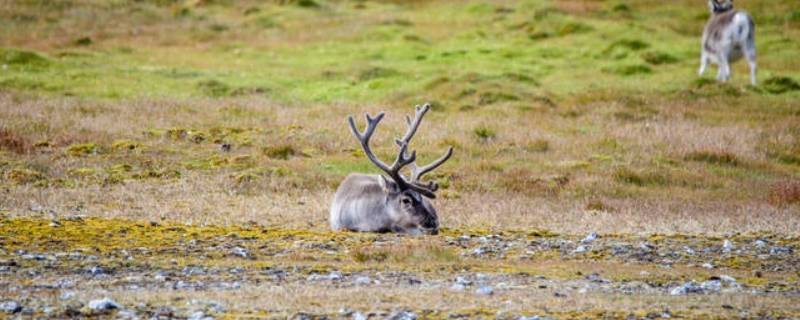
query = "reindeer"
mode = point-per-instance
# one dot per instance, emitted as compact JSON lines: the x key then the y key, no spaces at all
{"x":728,"y":35}
{"x":391,"y":202}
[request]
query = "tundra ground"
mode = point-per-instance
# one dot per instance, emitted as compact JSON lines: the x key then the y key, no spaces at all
{"x":180,"y":157}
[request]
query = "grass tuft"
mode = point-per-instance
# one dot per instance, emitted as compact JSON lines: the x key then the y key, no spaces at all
{"x":785,"y":193}
{"x":659,"y":58}
{"x":484,"y":133}
{"x":778,"y":85}
{"x":713,"y":157}
{"x":282,"y":151}
{"x":84,"y":149}
{"x":22,"y":58}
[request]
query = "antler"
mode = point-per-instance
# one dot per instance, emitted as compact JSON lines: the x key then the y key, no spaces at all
{"x":417,"y":173}
{"x":402,"y":160}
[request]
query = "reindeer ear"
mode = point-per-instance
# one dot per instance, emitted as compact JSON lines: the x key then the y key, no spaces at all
{"x":388,"y":185}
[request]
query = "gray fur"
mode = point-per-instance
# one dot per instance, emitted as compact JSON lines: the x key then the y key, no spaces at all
{"x":728,"y":36}
{"x":372,"y":203}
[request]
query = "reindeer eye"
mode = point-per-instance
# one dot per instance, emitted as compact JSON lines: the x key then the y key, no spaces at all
{"x":406,"y":201}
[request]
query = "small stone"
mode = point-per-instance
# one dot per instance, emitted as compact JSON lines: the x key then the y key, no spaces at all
{"x":580,"y":249}
{"x":404,"y":315}
{"x":463,"y":281}
{"x":760,"y":244}
{"x":225,"y":147}
{"x":707,"y":265}
{"x":485,"y":291}
{"x":686,"y":288}
{"x":334,"y":276}
{"x":780,"y":250}
{"x":689,"y":250}
{"x":10,"y":307}
{"x":362,"y":280}
{"x":67,"y":295}
{"x":126,"y":314}
{"x":359,"y":316}
{"x":590,"y":238}
{"x":241,"y":252}
{"x":97,"y":270}
{"x":55,"y":223}
{"x":458,"y":287}
{"x":727,"y":279}
{"x":198,"y":315}
{"x":727,"y":246}
{"x":103,"y":305}
{"x":711,"y":286}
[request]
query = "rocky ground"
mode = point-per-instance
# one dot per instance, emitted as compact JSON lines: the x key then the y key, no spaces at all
{"x":118,"y":268}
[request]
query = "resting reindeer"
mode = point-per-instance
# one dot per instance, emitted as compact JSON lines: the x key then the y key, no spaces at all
{"x":377,"y":203}
{"x":729,"y":35}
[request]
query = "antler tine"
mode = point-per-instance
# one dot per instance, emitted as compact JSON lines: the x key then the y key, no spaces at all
{"x":402,"y":159}
{"x":417,"y":173}
{"x":414,"y":125}
{"x":364,"y":137}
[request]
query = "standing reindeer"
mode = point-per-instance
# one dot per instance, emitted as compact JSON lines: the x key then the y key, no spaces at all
{"x":728,"y":35}
{"x":377,"y":203}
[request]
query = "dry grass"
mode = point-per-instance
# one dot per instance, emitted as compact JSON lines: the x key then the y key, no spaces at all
{"x":149,"y":159}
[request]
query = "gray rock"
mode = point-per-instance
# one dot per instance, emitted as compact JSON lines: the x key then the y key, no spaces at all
{"x":194,"y":271}
{"x":404,"y":315}
{"x":199,"y":315}
{"x":590,"y":238}
{"x":362,"y":280}
{"x":458,"y":287}
{"x":333,"y":276}
{"x":728,"y":279}
{"x":760,"y":244}
{"x":780,"y":250}
{"x":241,"y":252}
{"x":359,"y":316}
{"x":711,"y":286}
{"x":689,"y":250}
{"x":484,"y":291}
{"x":97,"y":270}
{"x":580,"y":249}
{"x":10,"y":306}
{"x":67,"y":295}
{"x":727,"y":246}
{"x":533,"y":318}
{"x":126,"y":314}
{"x":103,"y":305}
{"x":463,"y":281}
{"x":707,"y":265}
{"x":686,"y":288}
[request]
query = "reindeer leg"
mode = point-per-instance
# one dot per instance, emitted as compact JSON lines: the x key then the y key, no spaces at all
{"x":751,"y":60}
{"x":703,"y":64}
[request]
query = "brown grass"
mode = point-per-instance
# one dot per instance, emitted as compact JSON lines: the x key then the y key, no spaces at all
{"x":785,"y":193}
{"x":508,"y":182}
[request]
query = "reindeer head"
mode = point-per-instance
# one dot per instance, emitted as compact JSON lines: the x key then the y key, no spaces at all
{"x":405,"y":196}
{"x":720,"y":6}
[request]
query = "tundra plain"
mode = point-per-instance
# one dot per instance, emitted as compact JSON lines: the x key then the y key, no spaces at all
{"x":179,"y":157}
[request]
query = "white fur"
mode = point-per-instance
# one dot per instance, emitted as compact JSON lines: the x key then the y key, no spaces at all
{"x":725,"y":43}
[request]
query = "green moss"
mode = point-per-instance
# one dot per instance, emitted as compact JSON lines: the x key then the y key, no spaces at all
{"x":84,"y":149}
{"x":484,"y":133}
{"x":125,"y":145}
{"x":778,"y":85}
{"x":659,"y":58}
{"x":23,"y":58}
{"x":23,"y":176}
{"x":282,"y":152}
